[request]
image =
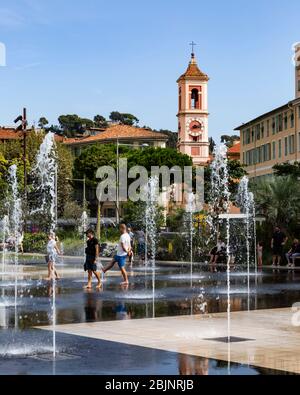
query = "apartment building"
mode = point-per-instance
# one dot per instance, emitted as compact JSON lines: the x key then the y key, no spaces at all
{"x":273,"y":137}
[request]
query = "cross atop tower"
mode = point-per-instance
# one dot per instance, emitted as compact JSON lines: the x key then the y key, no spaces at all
{"x":193,"y":45}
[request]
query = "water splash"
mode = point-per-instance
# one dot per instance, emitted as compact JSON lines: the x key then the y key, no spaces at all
{"x":151,"y":228}
{"x":245,"y":200}
{"x":219,"y":196}
{"x":46,"y":172}
{"x":189,"y":224}
{"x":220,"y":204}
{"x":4,"y":234}
{"x":83,"y":227}
{"x":15,"y":210}
{"x":15,"y":218}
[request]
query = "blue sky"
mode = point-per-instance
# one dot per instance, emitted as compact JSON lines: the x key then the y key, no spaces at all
{"x":95,"y":56}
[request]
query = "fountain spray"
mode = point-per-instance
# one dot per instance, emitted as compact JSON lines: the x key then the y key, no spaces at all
{"x":16,"y":226}
{"x":219,"y":204}
{"x":245,"y":200}
{"x":151,"y":229}
{"x":190,"y":210}
{"x":46,"y":171}
{"x":5,"y":233}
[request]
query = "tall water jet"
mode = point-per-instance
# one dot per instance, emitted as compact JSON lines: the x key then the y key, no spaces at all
{"x":45,"y":171}
{"x":245,"y":200}
{"x":190,"y":210}
{"x":15,"y":214}
{"x":4,"y":234}
{"x":83,"y":226}
{"x":151,"y":228}
{"x":15,"y":210}
{"x":46,"y":189}
{"x":190,"y":230}
{"x":219,"y":204}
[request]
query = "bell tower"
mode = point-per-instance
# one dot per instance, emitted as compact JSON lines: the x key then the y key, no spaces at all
{"x":193,"y":113}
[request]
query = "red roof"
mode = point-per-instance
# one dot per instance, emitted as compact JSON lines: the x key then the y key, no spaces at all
{"x":235,"y":149}
{"x":121,"y":132}
{"x":9,"y":134}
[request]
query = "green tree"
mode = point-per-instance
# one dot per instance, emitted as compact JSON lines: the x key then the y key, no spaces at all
{"x":123,"y":118}
{"x":43,"y":122}
{"x":229,"y":140}
{"x":73,"y":125}
{"x":287,"y":169}
{"x":134,"y":214}
{"x":151,"y":156}
{"x":173,"y":138}
{"x":93,"y":157}
{"x":64,"y":172}
{"x":73,"y":210}
{"x":100,"y":122}
{"x":175,"y":220}
{"x":3,"y":181}
{"x":212,"y":145}
{"x":278,"y":200}
{"x":11,"y":153}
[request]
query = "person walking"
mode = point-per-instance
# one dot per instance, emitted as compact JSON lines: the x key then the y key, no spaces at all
{"x":278,"y":241}
{"x":92,"y":252}
{"x":51,"y":257}
{"x":131,"y":235}
{"x":124,"y":248}
{"x":260,"y":248}
{"x":141,"y":244}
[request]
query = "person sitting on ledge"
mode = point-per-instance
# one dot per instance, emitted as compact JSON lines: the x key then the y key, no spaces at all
{"x":219,"y":251}
{"x":295,"y":255}
{"x":291,"y":252}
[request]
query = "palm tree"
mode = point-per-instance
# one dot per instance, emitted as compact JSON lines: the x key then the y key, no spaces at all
{"x":278,"y":200}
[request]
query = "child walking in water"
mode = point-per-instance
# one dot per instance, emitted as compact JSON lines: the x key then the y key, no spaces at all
{"x":51,"y":257}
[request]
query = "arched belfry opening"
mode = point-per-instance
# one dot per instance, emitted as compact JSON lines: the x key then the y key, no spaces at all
{"x":194,"y":99}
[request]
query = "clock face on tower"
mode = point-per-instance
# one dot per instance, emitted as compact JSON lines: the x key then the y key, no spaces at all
{"x":195,"y":128}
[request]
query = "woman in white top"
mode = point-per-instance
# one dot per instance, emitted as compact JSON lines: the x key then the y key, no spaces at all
{"x":52,"y":253}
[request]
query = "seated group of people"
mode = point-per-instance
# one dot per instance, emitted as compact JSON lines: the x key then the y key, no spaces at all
{"x":294,"y":253}
{"x":10,"y":243}
{"x":278,"y":242}
{"x":219,"y":254}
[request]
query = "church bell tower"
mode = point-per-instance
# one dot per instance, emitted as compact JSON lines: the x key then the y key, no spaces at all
{"x":193,"y":113}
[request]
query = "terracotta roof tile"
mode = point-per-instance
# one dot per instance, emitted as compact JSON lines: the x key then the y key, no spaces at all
{"x":9,"y":134}
{"x":235,"y":149}
{"x":193,"y":72}
{"x":120,"y":132}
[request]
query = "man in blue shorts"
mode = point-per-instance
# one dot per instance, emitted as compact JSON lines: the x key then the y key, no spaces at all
{"x":124,"y":248}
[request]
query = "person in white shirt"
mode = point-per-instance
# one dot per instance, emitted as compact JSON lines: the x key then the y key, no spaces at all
{"x":124,"y":248}
{"x":51,"y":257}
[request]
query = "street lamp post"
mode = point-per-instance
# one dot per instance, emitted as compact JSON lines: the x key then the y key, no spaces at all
{"x":23,"y":128}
